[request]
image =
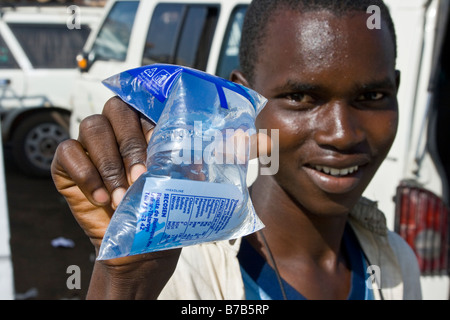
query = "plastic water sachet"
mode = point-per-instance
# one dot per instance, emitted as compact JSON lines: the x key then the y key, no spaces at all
{"x":194,"y":190}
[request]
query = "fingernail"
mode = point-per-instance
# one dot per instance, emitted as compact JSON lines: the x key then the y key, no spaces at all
{"x":101,"y":196}
{"x":136,"y":171}
{"x":117,"y":196}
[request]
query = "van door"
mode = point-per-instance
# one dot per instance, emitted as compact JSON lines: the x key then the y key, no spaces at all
{"x":422,"y":197}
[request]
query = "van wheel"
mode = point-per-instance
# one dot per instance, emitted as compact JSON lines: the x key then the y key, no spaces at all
{"x":34,"y":143}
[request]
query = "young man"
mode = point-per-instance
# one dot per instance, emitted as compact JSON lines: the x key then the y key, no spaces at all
{"x":331,"y":86}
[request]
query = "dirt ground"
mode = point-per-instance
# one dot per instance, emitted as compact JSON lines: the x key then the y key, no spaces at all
{"x":38,"y":215}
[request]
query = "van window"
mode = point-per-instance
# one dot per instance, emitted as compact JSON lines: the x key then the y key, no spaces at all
{"x":229,"y":54}
{"x":180,"y":34}
{"x":7,"y":60}
{"x":113,"y":37}
{"x":50,"y":45}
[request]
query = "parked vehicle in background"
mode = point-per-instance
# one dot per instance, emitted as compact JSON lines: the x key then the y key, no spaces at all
{"x":38,"y":46}
{"x":411,"y":187}
{"x":6,"y":267}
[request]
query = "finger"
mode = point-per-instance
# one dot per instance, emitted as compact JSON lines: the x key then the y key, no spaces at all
{"x":98,"y":139}
{"x":72,"y":164}
{"x":147,"y":127}
{"x":130,"y":136}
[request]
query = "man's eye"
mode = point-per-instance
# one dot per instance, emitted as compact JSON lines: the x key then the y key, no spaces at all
{"x":298,"y":97}
{"x":295,"y":96}
{"x":370,"y":96}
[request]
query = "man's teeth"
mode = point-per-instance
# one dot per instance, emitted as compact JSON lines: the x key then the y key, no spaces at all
{"x":336,"y":172}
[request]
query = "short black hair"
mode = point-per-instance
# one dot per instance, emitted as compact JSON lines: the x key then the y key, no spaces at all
{"x":259,"y":14}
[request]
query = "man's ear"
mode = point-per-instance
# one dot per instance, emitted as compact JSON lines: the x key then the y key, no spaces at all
{"x":238,"y":77}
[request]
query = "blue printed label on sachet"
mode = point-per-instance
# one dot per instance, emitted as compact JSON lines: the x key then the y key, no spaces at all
{"x":158,"y":80}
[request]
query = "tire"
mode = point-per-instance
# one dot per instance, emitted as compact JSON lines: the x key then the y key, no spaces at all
{"x":34,"y":143}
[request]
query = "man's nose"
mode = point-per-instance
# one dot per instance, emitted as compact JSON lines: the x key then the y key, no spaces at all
{"x":339,"y":127}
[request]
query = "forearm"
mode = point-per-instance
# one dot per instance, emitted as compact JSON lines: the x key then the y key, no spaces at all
{"x":135,"y":281}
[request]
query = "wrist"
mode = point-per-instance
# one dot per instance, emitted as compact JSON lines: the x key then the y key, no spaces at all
{"x":143,"y":277}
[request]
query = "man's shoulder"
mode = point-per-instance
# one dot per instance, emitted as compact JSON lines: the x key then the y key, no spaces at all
{"x":367,"y":215}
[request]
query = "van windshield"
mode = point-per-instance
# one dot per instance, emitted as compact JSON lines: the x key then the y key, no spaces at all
{"x":113,"y":38}
{"x":229,"y":54}
{"x":181,"y":34}
{"x":50,"y":45}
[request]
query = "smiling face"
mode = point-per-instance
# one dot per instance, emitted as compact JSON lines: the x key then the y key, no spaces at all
{"x":331,"y":87}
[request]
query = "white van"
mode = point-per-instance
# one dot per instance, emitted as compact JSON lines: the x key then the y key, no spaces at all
{"x":38,"y":46}
{"x":411,"y":187}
